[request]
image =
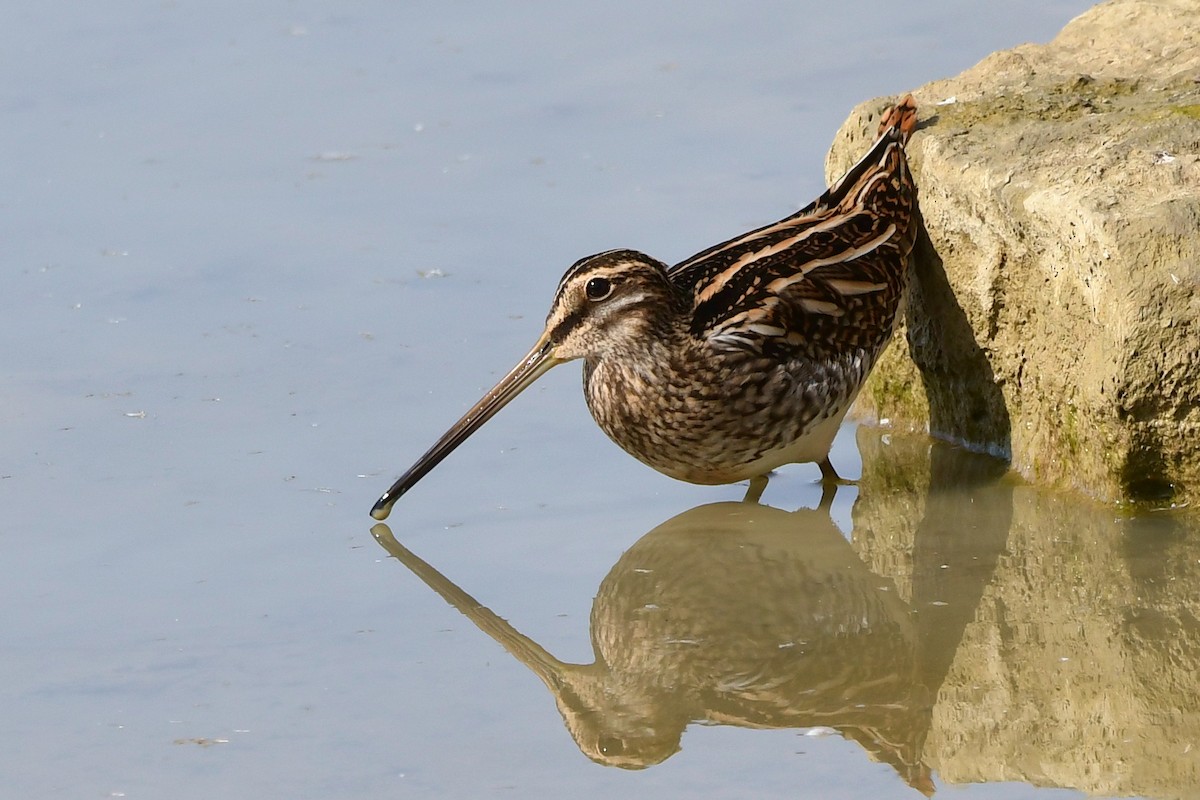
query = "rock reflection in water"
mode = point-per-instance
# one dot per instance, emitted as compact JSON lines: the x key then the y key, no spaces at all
{"x":736,"y":614}
{"x":1070,"y":644}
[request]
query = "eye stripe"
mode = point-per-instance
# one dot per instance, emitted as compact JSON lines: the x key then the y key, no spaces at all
{"x":565,"y":326}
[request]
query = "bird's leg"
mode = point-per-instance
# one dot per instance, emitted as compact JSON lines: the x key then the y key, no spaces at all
{"x":828,"y":492}
{"x":754,"y":491}
{"x":830,"y":481}
{"x":829,"y":475}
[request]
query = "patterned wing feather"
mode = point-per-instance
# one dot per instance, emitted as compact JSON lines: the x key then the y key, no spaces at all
{"x":825,"y":279}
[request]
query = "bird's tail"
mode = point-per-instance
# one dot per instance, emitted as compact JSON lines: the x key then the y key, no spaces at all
{"x":896,"y":125}
{"x":902,"y":117}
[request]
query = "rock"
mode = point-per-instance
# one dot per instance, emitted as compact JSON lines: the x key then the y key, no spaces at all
{"x":1055,"y":313}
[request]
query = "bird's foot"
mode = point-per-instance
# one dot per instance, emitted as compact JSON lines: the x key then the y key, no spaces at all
{"x":830,"y":481}
{"x":830,"y":477}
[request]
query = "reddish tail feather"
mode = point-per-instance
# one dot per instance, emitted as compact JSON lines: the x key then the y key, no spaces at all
{"x":902,"y":116}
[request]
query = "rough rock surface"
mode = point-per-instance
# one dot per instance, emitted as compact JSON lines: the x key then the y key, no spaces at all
{"x":1055,"y":312}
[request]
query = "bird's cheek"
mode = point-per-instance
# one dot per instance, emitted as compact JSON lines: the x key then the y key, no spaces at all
{"x":568,"y":349}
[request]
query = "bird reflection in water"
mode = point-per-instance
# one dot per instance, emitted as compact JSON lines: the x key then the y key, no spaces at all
{"x":731,"y":614}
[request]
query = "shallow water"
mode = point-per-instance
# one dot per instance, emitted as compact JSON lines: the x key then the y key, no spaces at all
{"x":963,"y":628}
{"x":259,"y":255}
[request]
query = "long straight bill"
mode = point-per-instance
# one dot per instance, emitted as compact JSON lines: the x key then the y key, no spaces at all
{"x":535,"y":363}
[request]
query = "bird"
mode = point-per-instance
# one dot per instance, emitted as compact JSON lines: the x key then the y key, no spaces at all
{"x":744,"y":357}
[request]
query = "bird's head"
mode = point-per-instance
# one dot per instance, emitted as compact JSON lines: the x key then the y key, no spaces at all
{"x":608,"y":303}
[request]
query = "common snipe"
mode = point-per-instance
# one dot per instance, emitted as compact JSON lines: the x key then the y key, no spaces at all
{"x":745,"y":356}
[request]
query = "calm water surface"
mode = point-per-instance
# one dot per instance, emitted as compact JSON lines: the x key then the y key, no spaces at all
{"x":260,"y":255}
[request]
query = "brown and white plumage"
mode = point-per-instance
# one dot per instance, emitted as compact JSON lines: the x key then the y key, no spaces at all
{"x":745,"y":356}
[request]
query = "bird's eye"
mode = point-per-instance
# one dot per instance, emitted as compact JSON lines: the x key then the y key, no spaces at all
{"x":611,"y":745}
{"x":598,"y":288}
